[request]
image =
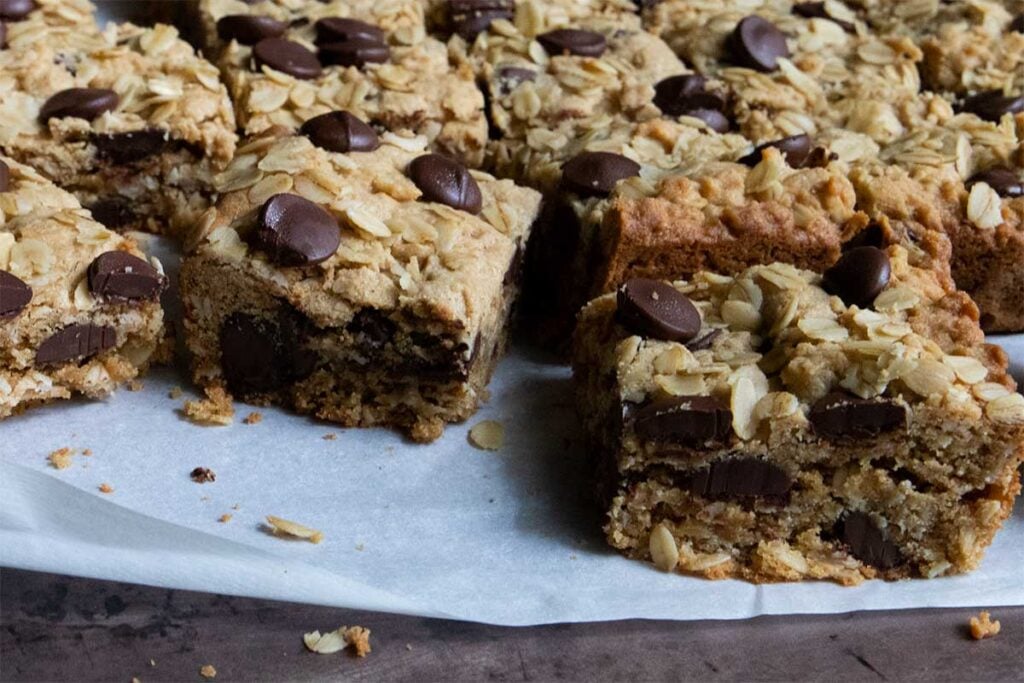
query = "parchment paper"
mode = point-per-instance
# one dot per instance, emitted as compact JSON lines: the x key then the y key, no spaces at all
{"x":505,"y":537}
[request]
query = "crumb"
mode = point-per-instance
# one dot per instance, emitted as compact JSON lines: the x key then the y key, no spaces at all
{"x":215,"y":409}
{"x":224,"y":519}
{"x":330,"y":436}
{"x":136,"y":679}
{"x":288,"y":528}
{"x":152,"y":662}
{"x":488,"y":435}
{"x":207,"y":671}
{"x":106,"y":488}
{"x":983,"y":627}
{"x":201,"y":475}
{"x":175,"y":393}
{"x":60,"y":459}
{"x":235,"y":506}
{"x":87,"y":451}
{"x":360,"y":547}
{"x":355,"y":637}
{"x":572,"y":556}
{"x":408,"y":647}
{"x":135,"y":385}
{"x":253,"y":418}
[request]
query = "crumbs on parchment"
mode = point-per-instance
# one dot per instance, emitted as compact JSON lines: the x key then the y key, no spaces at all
{"x":253,"y":418}
{"x":175,"y":393}
{"x":106,"y":488}
{"x":208,"y":671}
{"x":329,"y":436}
{"x":215,"y":409}
{"x":201,"y":475}
{"x":283,"y":526}
{"x":61,"y":459}
{"x":225,"y":518}
{"x":983,"y":627}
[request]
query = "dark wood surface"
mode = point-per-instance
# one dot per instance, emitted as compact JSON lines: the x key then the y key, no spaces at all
{"x":57,"y":628}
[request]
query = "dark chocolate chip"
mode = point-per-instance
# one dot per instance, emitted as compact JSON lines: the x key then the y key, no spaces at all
{"x":120,"y":275}
{"x":79,"y":340}
{"x":342,"y":29}
{"x":296,"y":232}
{"x":3,"y":35}
{"x":841,"y":415}
{"x":991,"y":105}
{"x":259,"y":354}
{"x":446,"y":181}
{"x":5,"y":176}
{"x":14,"y":295}
{"x":858,"y":276}
{"x":757,"y":43}
{"x":687,"y":420}
{"x":712,"y":118}
{"x":1003,"y":180}
{"x":83,"y":103}
{"x":572,"y":41}
{"x":871,"y":236}
{"x":288,"y":57}
{"x":113,"y":212}
{"x":357,"y":52}
{"x":740,"y":477}
{"x":249,"y":29}
{"x":1018,"y":24}
{"x":705,"y":342}
{"x":509,"y":77}
{"x":685,"y":95}
{"x":470,"y":17}
{"x":796,"y":149}
{"x":867,"y":542}
{"x":595,"y":174}
{"x":127,"y":148}
{"x":340,"y":131}
{"x":16,"y":10}
{"x":816,"y":10}
{"x":656,"y":309}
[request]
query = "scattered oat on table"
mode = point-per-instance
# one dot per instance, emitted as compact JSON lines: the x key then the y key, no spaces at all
{"x":136,"y":679}
{"x":215,"y":409}
{"x":175,"y":393}
{"x":87,"y":451}
{"x":983,"y":627}
{"x":135,"y":385}
{"x":253,"y":418}
{"x":207,"y":671}
{"x":289,"y":528}
{"x":60,"y":459}
{"x":225,"y":518}
{"x":201,"y":475}
{"x":355,"y":637}
{"x":488,"y":435}
{"x":330,"y":436}
{"x":106,"y":488}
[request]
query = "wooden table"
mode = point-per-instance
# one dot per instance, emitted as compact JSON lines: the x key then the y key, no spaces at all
{"x":57,"y":628}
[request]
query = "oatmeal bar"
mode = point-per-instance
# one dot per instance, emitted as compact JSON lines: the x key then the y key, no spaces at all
{"x":22,"y":18}
{"x":286,"y":62}
{"x":130,"y":120}
{"x":355,"y":277}
{"x":781,"y":425}
{"x":468,"y":18}
{"x":79,"y":309}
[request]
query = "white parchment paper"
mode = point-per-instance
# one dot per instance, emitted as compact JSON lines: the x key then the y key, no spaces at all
{"x":505,"y":537}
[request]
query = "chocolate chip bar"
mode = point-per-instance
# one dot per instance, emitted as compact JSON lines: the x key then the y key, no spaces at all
{"x":781,"y":425}
{"x":79,"y":309}
{"x":286,"y":63}
{"x":130,"y":120}
{"x":356,"y":277}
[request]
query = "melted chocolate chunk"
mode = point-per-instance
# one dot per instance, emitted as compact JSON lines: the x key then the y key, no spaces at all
{"x":686,"y":420}
{"x":757,"y":44}
{"x":126,"y":148}
{"x":1003,"y":180}
{"x":357,"y":52}
{"x":992,"y":105}
{"x":471,"y":17}
{"x":705,"y":342}
{"x":249,"y":29}
{"x":296,"y":232}
{"x":113,"y":212}
{"x":817,"y":10}
{"x":288,"y":57}
{"x":657,"y":310}
{"x":446,"y":181}
{"x":77,"y":341}
{"x":867,"y":542}
{"x":5,"y":177}
{"x":571,"y":41}
{"x":871,"y":236}
{"x":260,"y":354}
{"x":342,"y":29}
{"x":743,"y":476}
{"x":16,"y":10}
{"x":122,"y":276}
{"x":796,"y":149}
{"x":859,"y":276}
{"x":340,"y":131}
{"x":15,"y":295}
{"x":595,"y":174}
{"x":840,"y":415}
{"x":685,"y":95}
{"x":82,"y":103}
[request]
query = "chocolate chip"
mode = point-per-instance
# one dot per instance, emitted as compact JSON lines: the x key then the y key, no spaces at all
{"x":705,"y":342}
{"x":296,"y":232}
{"x":342,"y":29}
{"x":120,"y":275}
{"x":113,"y":212}
{"x":5,"y":176}
{"x":82,"y":103}
{"x":572,"y":41}
{"x":740,"y":477}
{"x":509,"y":77}
{"x":685,"y":95}
{"x":796,"y":149}
{"x":446,"y":181}
{"x":817,"y":10}
{"x":756,"y":43}
{"x":1017,"y":24}
{"x":259,"y":353}
{"x":3,"y":35}
{"x":249,"y":29}
{"x":688,"y":420}
{"x":79,"y":340}
{"x":288,"y":57}
{"x":1003,"y":180}
{"x":16,"y":10}
{"x":595,"y":174}
{"x":867,"y":542}
{"x":355,"y":52}
{"x":201,"y":475}
{"x":841,"y":415}
{"x":340,"y":131}
{"x":858,"y":276}
{"x":991,"y":105}
{"x":14,"y":295}
{"x":471,"y":17}
{"x":871,"y":236}
{"x":127,"y":148}
{"x":656,"y":309}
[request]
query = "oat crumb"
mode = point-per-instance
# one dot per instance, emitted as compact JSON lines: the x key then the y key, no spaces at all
{"x":87,"y":451}
{"x":358,"y":639}
{"x":106,"y":488}
{"x":215,"y":409}
{"x":235,"y":506}
{"x":983,"y":627}
{"x":152,"y":662}
{"x":136,"y":679}
{"x":289,"y":528}
{"x":360,"y":547}
{"x":330,"y":436}
{"x":488,"y":435}
{"x":408,"y":646}
{"x":207,"y":671}
{"x":201,"y":475}
{"x":253,"y":418}
{"x":355,"y":637}
{"x":175,"y":393}
{"x":225,"y":518}
{"x":135,"y":385}
{"x":60,"y":459}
